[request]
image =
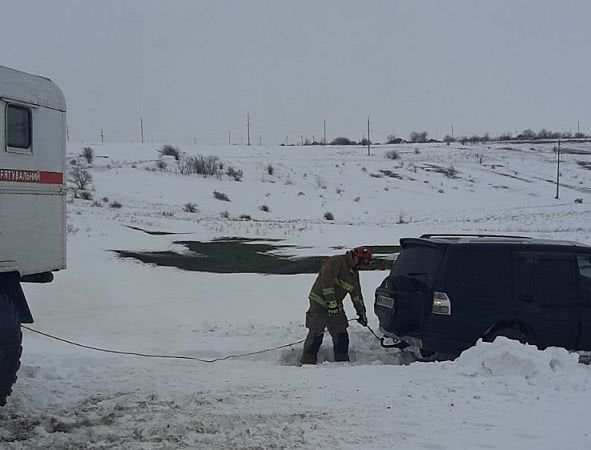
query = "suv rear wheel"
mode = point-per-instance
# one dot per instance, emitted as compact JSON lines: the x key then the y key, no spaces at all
{"x":510,"y":333}
{"x":10,"y":345}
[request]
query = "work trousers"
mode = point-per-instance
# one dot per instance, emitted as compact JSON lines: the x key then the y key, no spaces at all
{"x":318,"y":320}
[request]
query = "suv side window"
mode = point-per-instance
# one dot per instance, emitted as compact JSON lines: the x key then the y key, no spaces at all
{"x":18,"y":129}
{"x":584,"y":263}
{"x":549,"y":279}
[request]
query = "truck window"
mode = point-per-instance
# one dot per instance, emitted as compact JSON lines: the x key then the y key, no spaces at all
{"x":484,"y":269}
{"x":549,"y":278}
{"x":584,"y":263}
{"x":419,"y":261}
{"x":18,"y":127}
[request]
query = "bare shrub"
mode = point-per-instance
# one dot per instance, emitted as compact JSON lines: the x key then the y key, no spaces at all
{"x":80,"y":177}
{"x":167,"y":213}
{"x":73,"y":162}
{"x":105,"y":199}
{"x":357,"y":199}
{"x":115,"y":204}
{"x":328,"y":215}
{"x":85,"y":195}
{"x":88,"y":154}
{"x":301,"y":194}
{"x":342,"y":141}
{"x":225,"y":215}
{"x":441,"y":191}
{"x":418,"y":136}
{"x":161,"y":165}
{"x":236,"y":174}
{"x":264,"y":208}
{"x":170,"y":150}
{"x":205,"y":166}
{"x":450,"y":172}
{"x":270,"y":169}
{"x":392,"y":154}
{"x":220,"y":196}
{"x":401,"y":218}
{"x":190,"y":207}
{"x":97,"y":204}
{"x":245,"y":217}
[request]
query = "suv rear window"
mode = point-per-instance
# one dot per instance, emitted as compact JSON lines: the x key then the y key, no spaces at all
{"x":418,"y":261}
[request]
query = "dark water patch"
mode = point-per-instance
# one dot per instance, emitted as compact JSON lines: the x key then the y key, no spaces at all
{"x":237,"y":255}
{"x":153,"y":233}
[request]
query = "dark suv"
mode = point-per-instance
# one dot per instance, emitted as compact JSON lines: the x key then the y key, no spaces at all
{"x":446,"y":291}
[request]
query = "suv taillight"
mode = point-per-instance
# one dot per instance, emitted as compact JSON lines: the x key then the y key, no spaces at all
{"x":441,"y":304}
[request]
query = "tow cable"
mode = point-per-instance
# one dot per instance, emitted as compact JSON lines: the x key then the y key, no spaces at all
{"x":396,"y":343}
{"x":192,"y":358}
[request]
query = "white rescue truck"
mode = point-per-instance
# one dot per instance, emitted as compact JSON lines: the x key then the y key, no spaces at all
{"x":32,"y":202}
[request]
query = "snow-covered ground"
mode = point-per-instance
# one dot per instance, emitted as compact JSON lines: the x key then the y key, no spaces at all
{"x":499,"y":395}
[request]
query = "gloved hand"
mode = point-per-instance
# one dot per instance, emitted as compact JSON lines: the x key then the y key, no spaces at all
{"x":362,"y":319}
{"x":333,"y":308}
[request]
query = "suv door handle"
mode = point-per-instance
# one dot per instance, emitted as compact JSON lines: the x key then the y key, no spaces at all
{"x":526,"y":298}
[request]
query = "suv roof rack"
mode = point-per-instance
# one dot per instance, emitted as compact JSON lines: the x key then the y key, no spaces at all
{"x":428,"y":236}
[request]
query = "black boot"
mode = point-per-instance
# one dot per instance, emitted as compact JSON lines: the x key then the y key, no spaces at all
{"x":341,"y":347}
{"x":311,"y":347}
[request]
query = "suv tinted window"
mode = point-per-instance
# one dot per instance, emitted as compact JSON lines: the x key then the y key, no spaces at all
{"x":18,"y":127}
{"x":418,"y":261}
{"x":477,"y":268}
{"x":550,"y":278}
{"x":584,"y":263}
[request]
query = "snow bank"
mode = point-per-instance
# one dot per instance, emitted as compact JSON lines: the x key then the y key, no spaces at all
{"x":505,"y":357}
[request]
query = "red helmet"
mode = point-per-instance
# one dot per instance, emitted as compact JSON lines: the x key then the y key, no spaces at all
{"x":364,"y":255}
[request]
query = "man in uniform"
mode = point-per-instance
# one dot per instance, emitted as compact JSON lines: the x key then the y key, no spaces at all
{"x":338,"y":277}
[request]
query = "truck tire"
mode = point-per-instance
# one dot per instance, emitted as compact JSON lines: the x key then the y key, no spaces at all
{"x":10,"y":346}
{"x":509,"y":333}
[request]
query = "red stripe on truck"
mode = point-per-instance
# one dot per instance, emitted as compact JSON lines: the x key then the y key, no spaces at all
{"x":31,"y":176}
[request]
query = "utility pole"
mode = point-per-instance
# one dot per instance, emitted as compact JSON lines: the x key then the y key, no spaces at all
{"x":248,"y":127}
{"x":558,"y":170}
{"x":229,"y":138}
{"x":325,"y":132}
{"x":578,"y":129}
{"x":368,"y":141}
{"x":452,"y":130}
{"x":142,"y":127}
{"x":102,"y":137}
{"x":67,"y":133}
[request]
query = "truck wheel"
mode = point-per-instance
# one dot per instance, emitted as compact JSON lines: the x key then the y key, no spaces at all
{"x":509,"y":333}
{"x":10,"y":346}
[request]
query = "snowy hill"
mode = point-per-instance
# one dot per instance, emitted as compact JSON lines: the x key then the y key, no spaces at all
{"x":500,"y":395}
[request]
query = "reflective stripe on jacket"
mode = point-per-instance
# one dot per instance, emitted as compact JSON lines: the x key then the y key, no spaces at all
{"x":336,"y":279}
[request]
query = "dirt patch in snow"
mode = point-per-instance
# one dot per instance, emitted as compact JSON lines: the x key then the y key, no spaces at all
{"x":139,"y":421}
{"x":237,"y":255}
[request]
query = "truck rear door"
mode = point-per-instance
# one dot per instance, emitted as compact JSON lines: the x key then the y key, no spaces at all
{"x":411,"y":284}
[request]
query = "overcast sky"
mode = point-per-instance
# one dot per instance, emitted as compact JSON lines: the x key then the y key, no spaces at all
{"x":194,"y":69}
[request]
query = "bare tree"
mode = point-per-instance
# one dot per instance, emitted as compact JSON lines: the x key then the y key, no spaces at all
{"x":88,"y":154}
{"x":80,"y":177}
